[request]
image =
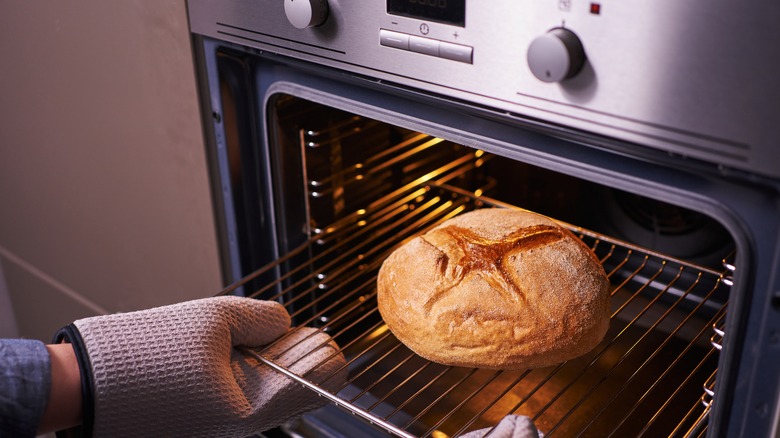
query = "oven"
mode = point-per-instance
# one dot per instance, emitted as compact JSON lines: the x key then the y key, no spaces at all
{"x":339,"y":129}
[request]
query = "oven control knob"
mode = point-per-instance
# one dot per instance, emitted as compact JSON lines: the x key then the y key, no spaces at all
{"x":306,"y":13}
{"x":556,"y":55}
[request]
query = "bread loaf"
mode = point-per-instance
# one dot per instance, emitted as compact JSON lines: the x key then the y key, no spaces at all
{"x":495,"y":288}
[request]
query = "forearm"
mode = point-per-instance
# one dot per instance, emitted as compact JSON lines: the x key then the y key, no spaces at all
{"x":63,"y":410}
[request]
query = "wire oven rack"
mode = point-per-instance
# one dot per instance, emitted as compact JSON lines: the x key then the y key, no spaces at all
{"x":641,"y":380}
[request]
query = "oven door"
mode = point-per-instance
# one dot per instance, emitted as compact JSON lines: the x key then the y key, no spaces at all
{"x":319,"y":174}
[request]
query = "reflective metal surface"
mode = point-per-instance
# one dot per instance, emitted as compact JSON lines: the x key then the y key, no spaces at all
{"x":689,"y":77}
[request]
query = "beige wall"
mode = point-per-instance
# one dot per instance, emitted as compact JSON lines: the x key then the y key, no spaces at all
{"x":104,"y":202}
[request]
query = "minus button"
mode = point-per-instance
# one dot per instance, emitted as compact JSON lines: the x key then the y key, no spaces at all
{"x":396,"y":40}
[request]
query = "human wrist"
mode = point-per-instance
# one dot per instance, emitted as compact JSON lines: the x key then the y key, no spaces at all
{"x":64,"y":409}
{"x":70,"y":335}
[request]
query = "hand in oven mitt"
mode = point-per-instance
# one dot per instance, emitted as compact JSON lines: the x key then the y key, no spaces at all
{"x":174,"y":370}
{"x":511,"y":426}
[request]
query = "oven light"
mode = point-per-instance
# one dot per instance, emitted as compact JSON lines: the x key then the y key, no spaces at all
{"x":595,"y":8}
{"x":479,"y":153}
{"x":378,"y":332}
{"x":361,"y":211}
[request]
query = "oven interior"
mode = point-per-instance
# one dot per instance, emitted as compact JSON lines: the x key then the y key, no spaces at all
{"x":348,"y":190}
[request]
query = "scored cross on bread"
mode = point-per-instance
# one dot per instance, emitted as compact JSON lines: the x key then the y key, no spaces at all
{"x":464,"y":252}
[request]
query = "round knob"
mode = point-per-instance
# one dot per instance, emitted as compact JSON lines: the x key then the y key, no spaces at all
{"x":556,"y":55}
{"x":306,"y":13}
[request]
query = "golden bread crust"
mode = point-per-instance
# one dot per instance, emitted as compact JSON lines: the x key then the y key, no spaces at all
{"x":495,"y":288}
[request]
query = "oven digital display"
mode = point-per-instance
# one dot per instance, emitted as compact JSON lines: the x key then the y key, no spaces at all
{"x":442,"y":11}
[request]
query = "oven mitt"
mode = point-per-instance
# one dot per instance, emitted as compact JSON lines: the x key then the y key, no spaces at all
{"x":173,"y":370}
{"x":511,"y":426}
{"x":305,"y":351}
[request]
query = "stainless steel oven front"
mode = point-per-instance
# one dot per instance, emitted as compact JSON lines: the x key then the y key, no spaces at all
{"x":337,"y":129}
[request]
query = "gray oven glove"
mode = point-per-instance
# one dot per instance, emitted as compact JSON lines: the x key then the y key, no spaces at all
{"x":511,"y":426}
{"x":174,"y":370}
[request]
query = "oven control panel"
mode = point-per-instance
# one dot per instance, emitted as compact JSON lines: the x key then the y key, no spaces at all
{"x":426,"y":46}
{"x":692,"y":78}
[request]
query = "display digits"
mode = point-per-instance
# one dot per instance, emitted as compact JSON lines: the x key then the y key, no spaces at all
{"x":443,"y":11}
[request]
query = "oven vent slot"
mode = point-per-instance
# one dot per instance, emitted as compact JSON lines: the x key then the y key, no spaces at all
{"x":640,"y":380}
